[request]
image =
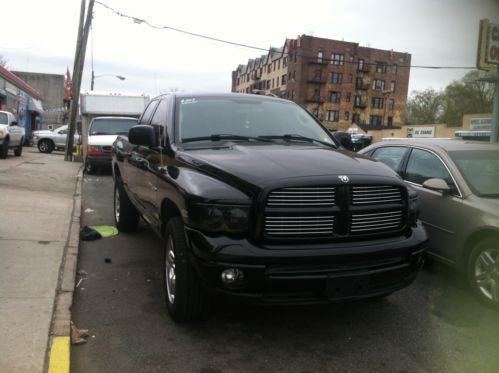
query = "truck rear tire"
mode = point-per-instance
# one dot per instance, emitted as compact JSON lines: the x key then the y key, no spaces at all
{"x":186,"y":300}
{"x":4,"y":149}
{"x":19,"y":150}
{"x":126,"y":215}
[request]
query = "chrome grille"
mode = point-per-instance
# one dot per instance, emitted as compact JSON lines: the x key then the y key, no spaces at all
{"x":376,"y":222}
{"x":378,"y":194}
{"x":302,"y":197}
{"x":299,"y":225}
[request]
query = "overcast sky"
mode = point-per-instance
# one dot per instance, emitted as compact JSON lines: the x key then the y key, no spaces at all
{"x":40,"y":36}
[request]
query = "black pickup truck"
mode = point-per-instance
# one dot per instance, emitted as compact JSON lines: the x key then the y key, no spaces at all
{"x":254,"y":200}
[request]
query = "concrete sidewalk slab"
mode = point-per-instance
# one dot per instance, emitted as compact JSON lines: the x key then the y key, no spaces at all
{"x":37,"y":200}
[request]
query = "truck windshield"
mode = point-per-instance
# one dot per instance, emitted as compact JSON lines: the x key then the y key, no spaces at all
{"x":107,"y":126}
{"x":3,"y":118}
{"x":205,"y":118}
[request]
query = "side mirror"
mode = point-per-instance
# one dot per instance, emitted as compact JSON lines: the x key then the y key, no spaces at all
{"x":13,"y":123}
{"x":142,"y":135}
{"x":436,"y":184}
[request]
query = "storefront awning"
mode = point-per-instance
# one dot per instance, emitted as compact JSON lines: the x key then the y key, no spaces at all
{"x":35,"y":105}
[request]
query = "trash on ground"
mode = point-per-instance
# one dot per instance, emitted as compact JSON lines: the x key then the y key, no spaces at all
{"x":105,"y":230}
{"x":82,"y":272}
{"x":94,"y":232}
{"x":108,"y":260}
{"x":78,"y":336}
{"x":88,"y":210}
{"x":89,"y":234}
{"x":80,"y":281}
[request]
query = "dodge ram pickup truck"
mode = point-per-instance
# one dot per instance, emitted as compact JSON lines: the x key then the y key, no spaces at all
{"x":255,"y":201}
{"x":11,"y":135}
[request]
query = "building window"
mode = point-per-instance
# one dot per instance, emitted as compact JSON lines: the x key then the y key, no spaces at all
{"x":317,"y":95}
{"x":333,"y":116}
{"x":348,"y":97}
{"x":358,"y":83}
{"x":334,"y":96}
{"x":293,"y":94}
{"x":347,"y":115}
{"x":278,"y":64}
{"x":277,"y":82}
{"x":294,"y":75}
{"x":268,"y":84}
{"x":317,"y":76}
{"x":315,"y":112}
{"x":337,"y":59}
{"x":394,"y":68}
{"x":356,"y":118}
{"x":357,"y":100}
{"x":393,"y":86}
{"x":391,"y":104}
{"x":285,"y":62}
{"x":319,"y":56}
{"x":350,"y":78}
{"x":269,"y":68}
{"x":361,"y":65}
{"x":376,"y":120}
{"x":336,"y":78}
{"x":378,"y":85}
{"x":284,"y":79}
{"x":380,"y":67}
{"x":238,"y":81}
{"x":390,"y":121}
{"x":272,"y":82}
{"x":377,"y":102}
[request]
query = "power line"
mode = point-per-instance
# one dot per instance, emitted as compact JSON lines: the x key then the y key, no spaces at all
{"x":143,"y":21}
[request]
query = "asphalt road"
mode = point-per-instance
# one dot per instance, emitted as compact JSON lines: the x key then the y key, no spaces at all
{"x":435,"y":325}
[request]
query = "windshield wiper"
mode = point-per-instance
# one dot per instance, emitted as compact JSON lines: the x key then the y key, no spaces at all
{"x":224,"y":136}
{"x":290,"y":137}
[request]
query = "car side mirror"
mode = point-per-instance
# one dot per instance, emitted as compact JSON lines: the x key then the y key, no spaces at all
{"x":13,"y":123}
{"x":437,"y":184}
{"x":142,"y":135}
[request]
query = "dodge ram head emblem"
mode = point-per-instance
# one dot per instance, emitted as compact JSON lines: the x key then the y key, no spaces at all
{"x":344,"y":178}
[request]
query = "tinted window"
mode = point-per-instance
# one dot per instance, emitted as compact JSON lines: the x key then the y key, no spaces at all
{"x":148,"y":113}
{"x":424,"y":165}
{"x":107,"y":126}
{"x":206,"y":116}
{"x":390,"y":155}
{"x":159,"y":120}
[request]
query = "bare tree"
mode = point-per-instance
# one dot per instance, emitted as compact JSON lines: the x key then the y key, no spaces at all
{"x":3,"y":61}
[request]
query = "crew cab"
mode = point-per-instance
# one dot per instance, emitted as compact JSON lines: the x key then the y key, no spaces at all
{"x":11,"y":135}
{"x":48,"y":140}
{"x":255,"y":201}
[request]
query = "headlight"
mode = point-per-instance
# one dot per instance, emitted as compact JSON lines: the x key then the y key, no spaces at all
{"x":220,"y":218}
{"x":94,"y":148}
{"x":413,"y":208}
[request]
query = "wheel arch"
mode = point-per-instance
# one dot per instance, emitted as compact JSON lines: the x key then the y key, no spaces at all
{"x":168,"y":210}
{"x":473,"y":239}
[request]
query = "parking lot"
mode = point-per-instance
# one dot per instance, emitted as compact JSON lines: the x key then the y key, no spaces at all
{"x":434,"y":325}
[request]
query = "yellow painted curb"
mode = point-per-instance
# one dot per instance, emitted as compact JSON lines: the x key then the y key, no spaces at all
{"x":59,"y":355}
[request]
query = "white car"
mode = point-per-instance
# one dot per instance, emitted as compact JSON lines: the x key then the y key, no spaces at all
{"x":48,"y":140}
{"x":11,"y":135}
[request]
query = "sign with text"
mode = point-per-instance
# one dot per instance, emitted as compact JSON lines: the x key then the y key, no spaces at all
{"x":483,"y":51}
{"x":492,"y":55}
{"x":419,"y":132}
{"x":480,"y":124}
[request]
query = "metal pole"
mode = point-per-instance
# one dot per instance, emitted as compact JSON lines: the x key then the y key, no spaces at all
{"x":495,"y":112}
{"x":92,"y":81}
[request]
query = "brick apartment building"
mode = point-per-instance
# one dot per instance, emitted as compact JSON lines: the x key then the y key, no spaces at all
{"x":339,"y":82}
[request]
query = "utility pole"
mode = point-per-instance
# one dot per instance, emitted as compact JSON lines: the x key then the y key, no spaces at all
{"x":81,"y":46}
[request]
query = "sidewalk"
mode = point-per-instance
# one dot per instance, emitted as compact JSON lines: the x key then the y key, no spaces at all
{"x":37,"y":194}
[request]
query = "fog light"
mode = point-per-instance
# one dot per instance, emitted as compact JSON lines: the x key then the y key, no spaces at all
{"x":231,"y":275}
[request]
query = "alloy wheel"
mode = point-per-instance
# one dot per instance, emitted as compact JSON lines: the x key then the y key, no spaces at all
{"x":117,"y":205}
{"x":487,"y":273}
{"x":170,"y":271}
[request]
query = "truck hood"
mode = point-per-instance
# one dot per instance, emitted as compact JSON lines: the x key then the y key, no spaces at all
{"x":102,"y":140}
{"x":3,"y":127}
{"x":261,"y":165}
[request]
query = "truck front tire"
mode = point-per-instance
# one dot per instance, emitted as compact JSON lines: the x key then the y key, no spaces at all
{"x":126,"y":215}
{"x":19,"y":150}
{"x":186,"y":299}
{"x":4,"y":149}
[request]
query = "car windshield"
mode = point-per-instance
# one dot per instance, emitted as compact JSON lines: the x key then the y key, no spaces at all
{"x":237,"y":118}
{"x":480,"y":169}
{"x":107,"y":126}
{"x":3,"y":118}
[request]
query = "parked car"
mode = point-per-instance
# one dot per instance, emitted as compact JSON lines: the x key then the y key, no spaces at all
{"x":458,"y":185}
{"x":49,"y":140}
{"x":255,"y":202}
{"x":11,"y":135}
{"x":101,"y":135}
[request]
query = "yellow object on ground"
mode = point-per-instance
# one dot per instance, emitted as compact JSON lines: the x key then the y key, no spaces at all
{"x":59,"y":355}
{"x":105,"y":230}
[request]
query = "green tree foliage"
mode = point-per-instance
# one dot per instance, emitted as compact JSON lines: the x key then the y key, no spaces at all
{"x":425,"y":107}
{"x":467,"y":96}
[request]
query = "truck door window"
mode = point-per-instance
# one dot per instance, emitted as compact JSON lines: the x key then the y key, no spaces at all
{"x":159,"y":120}
{"x":390,"y":155}
{"x":148,"y":113}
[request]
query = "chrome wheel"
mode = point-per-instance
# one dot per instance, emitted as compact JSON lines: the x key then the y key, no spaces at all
{"x":44,"y":146}
{"x":170,"y":271}
{"x":487,"y":274}
{"x":117,"y":204}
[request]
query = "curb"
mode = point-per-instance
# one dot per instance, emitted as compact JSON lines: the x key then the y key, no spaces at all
{"x":59,"y":347}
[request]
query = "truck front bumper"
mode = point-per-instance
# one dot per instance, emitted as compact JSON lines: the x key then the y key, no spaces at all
{"x":318,"y":273}
{"x":100,"y":161}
